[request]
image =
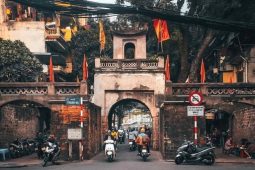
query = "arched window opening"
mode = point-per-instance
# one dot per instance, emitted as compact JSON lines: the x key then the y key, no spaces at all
{"x":129,"y":51}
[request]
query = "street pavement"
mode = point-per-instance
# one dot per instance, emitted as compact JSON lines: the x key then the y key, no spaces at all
{"x":127,"y":160}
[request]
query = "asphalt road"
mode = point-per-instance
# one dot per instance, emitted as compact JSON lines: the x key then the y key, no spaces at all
{"x":127,"y":160}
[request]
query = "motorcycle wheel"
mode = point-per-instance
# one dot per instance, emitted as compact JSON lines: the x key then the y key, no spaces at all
{"x":178,"y":160}
{"x":45,"y":160}
{"x":144,"y":158}
{"x":210,"y":160}
{"x":110,"y":159}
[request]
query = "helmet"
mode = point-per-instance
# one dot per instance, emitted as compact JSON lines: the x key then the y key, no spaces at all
{"x":51,"y":137}
{"x":142,"y":130}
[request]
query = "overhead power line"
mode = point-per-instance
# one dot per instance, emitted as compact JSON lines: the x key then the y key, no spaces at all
{"x":84,"y":7}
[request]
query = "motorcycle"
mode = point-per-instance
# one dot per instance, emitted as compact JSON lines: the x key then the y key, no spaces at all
{"x":132,"y":144}
{"x":51,"y":153}
{"x":121,"y":137}
{"x":189,"y":153}
{"x":40,"y":148}
{"x":110,"y":150}
{"x":144,"y":153}
{"x":16,"y":149}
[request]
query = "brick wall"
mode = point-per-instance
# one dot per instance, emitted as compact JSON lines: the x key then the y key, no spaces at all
{"x":17,"y":122}
{"x":91,"y":132}
{"x":244,"y":125}
{"x":175,"y":127}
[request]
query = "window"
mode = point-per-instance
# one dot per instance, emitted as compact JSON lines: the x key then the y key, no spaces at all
{"x":129,"y":51}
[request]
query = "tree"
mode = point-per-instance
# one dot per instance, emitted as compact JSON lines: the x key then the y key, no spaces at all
{"x":86,"y":41}
{"x":17,"y":64}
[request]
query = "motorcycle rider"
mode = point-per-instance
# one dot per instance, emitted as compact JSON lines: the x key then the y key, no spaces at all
{"x":53,"y":140}
{"x":115,"y":134}
{"x":109,"y":136}
{"x":141,"y":140}
{"x":132,"y":134}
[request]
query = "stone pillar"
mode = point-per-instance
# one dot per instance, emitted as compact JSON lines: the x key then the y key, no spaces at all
{"x":84,"y":88}
{"x":155,"y":132}
{"x":51,"y":89}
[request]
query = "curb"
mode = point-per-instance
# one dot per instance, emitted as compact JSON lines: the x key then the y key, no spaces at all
{"x":19,"y":165}
{"x":7,"y":165}
{"x":226,"y":161}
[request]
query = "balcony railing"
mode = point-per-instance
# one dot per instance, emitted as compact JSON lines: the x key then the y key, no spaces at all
{"x":52,"y":33}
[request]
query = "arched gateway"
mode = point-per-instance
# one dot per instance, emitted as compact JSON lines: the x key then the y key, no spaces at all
{"x":121,"y":78}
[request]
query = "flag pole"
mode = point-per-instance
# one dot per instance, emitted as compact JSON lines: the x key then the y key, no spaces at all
{"x":161,"y":32}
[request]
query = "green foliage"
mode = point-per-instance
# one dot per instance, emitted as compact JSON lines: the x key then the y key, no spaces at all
{"x":87,"y":41}
{"x":17,"y":64}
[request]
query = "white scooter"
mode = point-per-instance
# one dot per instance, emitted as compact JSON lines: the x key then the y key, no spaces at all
{"x":109,"y":151}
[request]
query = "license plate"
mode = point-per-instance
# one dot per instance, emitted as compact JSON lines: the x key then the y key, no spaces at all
{"x":130,"y":143}
{"x":144,"y":150}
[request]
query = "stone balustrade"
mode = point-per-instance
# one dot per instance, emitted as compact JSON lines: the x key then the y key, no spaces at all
{"x":129,"y":64}
{"x":211,"y":89}
{"x":172,"y":89}
{"x":43,"y":88}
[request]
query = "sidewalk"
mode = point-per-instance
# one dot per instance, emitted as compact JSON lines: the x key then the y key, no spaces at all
{"x":33,"y":160}
{"x":25,"y":161}
{"x":223,"y":158}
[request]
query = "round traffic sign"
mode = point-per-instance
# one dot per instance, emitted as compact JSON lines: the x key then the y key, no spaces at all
{"x":195,"y":98}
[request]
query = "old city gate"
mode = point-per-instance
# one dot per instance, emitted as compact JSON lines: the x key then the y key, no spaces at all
{"x":129,"y":75}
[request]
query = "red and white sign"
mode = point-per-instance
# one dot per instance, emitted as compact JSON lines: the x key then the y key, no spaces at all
{"x":195,"y":98}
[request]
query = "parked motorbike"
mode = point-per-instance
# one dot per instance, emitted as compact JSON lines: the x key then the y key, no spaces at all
{"x":26,"y":147}
{"x":121,"y":137}
{"x":51,"y":153}
{"x":189,"y":153}
{"x":16,"y":149}
{"x":144,"y":153}
{"x":110,"y":152}
{"x":40,"y":148}
{"x":132,"y":144}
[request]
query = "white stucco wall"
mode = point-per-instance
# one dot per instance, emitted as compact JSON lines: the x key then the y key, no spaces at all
{"x":31,"y":33}
{"x":138,"y":41}
{"x":103,"y":82}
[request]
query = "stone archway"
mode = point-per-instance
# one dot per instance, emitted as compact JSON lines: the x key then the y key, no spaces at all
{"x":21,"y":119}
{"x":117,"y":110}
{"x":145,"y":97}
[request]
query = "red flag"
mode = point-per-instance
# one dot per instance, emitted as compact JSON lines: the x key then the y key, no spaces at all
{"x":51,"y":72}
{"x":167,"y":69}
{"x":202,"y":71}
{"x":85,"y":69}
{"x":161,"y":30}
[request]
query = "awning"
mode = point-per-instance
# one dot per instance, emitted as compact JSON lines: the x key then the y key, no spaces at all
{"x":57,"y":59}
